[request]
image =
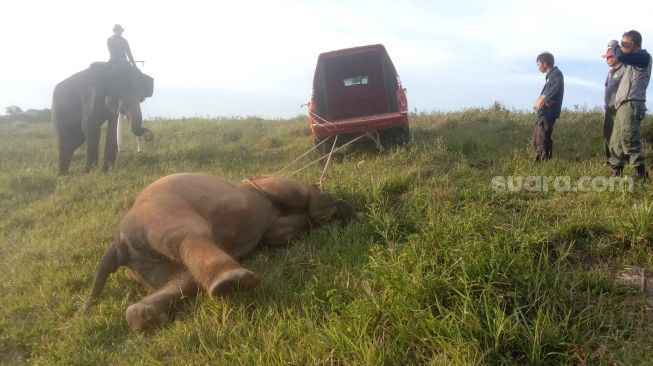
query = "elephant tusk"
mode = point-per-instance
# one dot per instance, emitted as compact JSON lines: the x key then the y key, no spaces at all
{"x":119,"y":131}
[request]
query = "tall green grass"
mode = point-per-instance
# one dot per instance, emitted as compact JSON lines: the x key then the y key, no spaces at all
{"x":444,"y":270}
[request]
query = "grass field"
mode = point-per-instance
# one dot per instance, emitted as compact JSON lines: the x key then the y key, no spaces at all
{"x":444,"y":270}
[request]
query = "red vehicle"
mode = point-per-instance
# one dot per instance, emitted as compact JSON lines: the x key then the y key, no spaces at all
{"x":357,"y":90}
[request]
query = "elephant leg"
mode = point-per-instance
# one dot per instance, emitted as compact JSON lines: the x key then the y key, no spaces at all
{"x":286,"y":228}
{"x":155,"y":310}
{"x":69,"y":141}
{"x":66,"y":150}
{"x":214,"y":269}
{"x":152,"y":270}
{"x":111,"y":145}
{"x":65,"y":155}
{"x":92,"y":143}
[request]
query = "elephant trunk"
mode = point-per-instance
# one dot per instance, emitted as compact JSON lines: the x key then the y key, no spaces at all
{"x":136,"y":118}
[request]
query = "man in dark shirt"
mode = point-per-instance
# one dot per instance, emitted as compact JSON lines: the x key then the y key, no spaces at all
{"x":611,"y":85}
{"x":631,"y":104}
{"x":548,"y":106}
{"x":119,"y":47}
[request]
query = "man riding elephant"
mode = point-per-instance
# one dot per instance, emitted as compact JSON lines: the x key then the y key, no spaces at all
{"x":189,"y":232}
{"x":82,"y":103}
{"x":118,"y":46}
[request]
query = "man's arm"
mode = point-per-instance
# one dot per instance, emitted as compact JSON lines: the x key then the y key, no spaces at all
{"x":637,"y":59}
{"x":129,"y":53}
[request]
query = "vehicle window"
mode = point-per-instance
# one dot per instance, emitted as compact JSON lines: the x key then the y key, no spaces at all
{"x":356,"y":80}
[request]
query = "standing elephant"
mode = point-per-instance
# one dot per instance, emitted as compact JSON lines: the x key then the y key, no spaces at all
{"x":188,"y":232}
{"x":82,"y":102}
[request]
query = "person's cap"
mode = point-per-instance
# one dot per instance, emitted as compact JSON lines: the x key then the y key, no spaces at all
{"x":608,"y":54}
{"x":118,"y":27}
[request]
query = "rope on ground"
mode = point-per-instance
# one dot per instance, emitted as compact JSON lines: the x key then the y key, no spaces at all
{"x":304,"y":154}
{"x":326,"y":156}
{"x":377,"y":140}
{"x":319,"y":182}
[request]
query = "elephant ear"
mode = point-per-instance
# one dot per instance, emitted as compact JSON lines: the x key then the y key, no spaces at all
{"x":148,"y":85}
{"x":98,"y":75}
{"x":120,"y":76}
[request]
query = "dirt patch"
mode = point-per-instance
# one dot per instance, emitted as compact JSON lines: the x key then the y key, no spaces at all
{"x":637,"y":277}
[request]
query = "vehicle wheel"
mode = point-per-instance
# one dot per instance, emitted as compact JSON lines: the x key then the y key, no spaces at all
{"x":403,"y":135}
{"x":397,"y":136}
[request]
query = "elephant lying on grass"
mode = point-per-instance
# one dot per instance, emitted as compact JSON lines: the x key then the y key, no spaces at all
{"x":188,"y":232}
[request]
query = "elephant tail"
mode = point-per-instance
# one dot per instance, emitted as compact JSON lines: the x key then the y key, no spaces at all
{"x":112,"y":259}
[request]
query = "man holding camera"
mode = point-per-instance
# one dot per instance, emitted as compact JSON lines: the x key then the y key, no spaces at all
{"x":630,"y":102}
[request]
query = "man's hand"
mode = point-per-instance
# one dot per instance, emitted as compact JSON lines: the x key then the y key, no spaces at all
{"x":539,"y":102}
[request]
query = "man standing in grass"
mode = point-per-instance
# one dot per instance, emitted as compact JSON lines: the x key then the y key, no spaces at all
{"x":630,"y":101}
{"x":611,"y":85}
{"x":548,"y":106}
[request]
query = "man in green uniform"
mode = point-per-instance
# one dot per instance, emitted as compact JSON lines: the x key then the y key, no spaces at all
{"x":631,"y":104}
{"x":611,"y":85}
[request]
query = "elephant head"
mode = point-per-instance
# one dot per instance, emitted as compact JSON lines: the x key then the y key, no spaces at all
{"x":123,"y":87}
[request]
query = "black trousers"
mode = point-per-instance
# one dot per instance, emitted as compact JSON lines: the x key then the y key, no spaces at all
{"x":543,"y":137}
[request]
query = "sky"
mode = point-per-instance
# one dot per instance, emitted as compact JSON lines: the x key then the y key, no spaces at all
{"x":257,"y":58}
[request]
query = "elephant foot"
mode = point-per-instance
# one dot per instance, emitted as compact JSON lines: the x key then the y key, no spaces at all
{"x":231,"y":280}
{"x":90,"y":166}
{"x":144,"y":318}
{"x":147,"y":135}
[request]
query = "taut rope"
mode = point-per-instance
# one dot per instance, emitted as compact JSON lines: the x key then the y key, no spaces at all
{"x":333,"y":149}
{"x":319,"y":182}
{"x":326,"y":156}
